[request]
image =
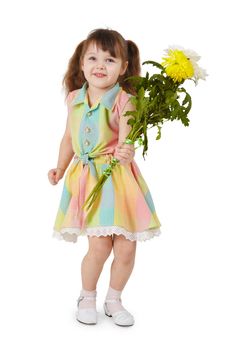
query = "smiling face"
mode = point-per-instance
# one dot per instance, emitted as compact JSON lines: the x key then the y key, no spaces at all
{"x":101,"y":70}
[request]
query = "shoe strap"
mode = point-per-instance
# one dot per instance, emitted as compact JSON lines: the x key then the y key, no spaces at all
{"x":81,"y":297}
{"x":86,"y":297}
{"x":113,"y":300}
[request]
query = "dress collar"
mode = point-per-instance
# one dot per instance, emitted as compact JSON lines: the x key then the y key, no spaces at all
{"x":107,"y":99}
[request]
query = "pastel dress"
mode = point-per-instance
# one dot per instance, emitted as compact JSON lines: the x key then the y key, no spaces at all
{"x":124,"y":206}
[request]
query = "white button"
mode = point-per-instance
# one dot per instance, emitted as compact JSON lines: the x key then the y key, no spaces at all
{"x":87,"y":129}
{"x":87,"y":143}
{"x":89,"y":113}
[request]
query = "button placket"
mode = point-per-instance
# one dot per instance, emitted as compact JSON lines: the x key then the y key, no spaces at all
{"x":88,"y":130}
{"x":87,"y":142}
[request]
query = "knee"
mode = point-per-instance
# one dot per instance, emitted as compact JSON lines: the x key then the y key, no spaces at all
{"x":101,"y":250}
{"x":125,"y":256}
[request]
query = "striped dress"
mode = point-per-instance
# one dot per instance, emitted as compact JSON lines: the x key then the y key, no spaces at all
{"x":125,"y":205}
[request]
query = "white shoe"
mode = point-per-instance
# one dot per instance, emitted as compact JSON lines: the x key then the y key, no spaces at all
{"x":86,"y":315}
{"x":122,"y":317}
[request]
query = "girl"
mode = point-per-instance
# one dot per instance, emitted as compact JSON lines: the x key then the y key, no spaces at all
{"x":97,"y":98}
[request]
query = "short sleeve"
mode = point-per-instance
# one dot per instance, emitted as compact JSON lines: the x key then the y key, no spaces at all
{"x":123,"y":99}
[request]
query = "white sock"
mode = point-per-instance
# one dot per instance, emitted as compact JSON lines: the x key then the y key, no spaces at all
{"x":114,"y":295}
{"x":89,"y":300}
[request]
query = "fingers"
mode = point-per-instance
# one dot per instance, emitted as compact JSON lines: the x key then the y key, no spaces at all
{"x":125,"y":146}
{"x":52,"y":178}
{"x":124,"y":153}
{"x":126,"y":149}
{"x":54,"y":175}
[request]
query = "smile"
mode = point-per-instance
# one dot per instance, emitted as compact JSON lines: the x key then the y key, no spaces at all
{"x":100,"y":75}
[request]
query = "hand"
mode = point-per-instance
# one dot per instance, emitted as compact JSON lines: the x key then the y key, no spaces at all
{"x":124,"y":152}
{"x":54,"y":175}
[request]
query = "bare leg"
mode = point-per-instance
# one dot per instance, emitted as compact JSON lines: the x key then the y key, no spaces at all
{"x":123,"y":263}
{"x":121,"y":269}
{"x":92,"y":264}
{"x":91,"y":268}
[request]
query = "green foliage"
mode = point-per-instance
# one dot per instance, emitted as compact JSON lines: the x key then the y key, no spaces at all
{"x":157,"y":101}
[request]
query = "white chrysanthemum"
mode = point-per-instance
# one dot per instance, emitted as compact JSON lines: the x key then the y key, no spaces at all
{"x":192,"y":55}
{"x":199,"y":73}
{"x":173,"y":47}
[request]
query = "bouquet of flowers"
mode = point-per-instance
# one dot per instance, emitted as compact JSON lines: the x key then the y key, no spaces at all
{"x":160,"y":98}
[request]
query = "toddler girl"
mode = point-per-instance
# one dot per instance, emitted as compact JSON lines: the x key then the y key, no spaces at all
{"x":97,"y":98}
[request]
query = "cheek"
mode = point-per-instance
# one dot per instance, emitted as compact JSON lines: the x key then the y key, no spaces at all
{"x":88,"y":68}
{"x":87,"y":64}
{"x":115,"y":70}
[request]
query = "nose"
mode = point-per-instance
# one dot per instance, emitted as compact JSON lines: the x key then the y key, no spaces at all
{"x":100,"y":65}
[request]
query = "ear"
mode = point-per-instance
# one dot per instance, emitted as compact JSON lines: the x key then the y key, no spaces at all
{"x":124,"y":68}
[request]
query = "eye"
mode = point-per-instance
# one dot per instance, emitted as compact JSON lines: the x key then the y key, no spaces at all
{"x":92,"y":57}
{"x":110,"y":60}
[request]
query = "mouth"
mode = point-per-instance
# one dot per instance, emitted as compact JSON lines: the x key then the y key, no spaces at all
{"x":99,"y":75}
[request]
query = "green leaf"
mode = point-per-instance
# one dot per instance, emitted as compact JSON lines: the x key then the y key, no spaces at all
{"x":155,"y":64}
{"x":159,"y":133}
{"x":185,"y":120}
{"x":131,"y":121}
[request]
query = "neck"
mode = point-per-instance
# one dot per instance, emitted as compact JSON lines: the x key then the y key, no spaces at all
{"x":94,"y":94}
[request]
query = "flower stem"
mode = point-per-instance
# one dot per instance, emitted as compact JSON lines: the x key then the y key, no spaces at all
{"x":96,"y":190}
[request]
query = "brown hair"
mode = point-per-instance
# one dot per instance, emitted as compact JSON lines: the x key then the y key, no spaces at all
{"x":107,"y":40}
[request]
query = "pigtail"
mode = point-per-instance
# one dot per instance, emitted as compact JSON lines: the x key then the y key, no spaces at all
{"x":74,"y":78}
{"x":133,"y":68}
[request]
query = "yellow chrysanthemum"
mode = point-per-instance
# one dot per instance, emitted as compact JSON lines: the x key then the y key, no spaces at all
{"x":178,"y":66}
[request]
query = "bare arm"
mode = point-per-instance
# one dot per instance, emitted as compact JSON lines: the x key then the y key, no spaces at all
{"x":125,"y":152}
{"x":66,"y":152}
{"x":124,"y":127}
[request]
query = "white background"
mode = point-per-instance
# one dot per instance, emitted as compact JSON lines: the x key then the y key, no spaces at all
{"x":184,"y":290}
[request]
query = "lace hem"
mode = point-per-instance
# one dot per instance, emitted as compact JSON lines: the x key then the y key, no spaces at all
{"x":72,"y":234}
